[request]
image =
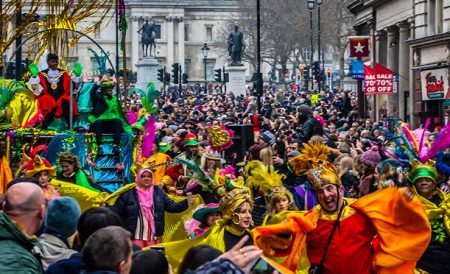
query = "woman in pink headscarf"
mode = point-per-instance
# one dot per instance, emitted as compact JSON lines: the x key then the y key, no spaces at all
{"x":142,"y":209}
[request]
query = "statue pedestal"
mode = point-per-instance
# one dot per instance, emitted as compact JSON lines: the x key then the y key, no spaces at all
{"x":147,"y":71}
{"x":237,"y":79}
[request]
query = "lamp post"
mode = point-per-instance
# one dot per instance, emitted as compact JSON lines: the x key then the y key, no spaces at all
{"x":319,"y":2}
{"x":205,"y":50}
{"x":310,"y":8}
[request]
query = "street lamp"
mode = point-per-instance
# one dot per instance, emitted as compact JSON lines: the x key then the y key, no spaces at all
{"x":319,"y":2}
{"x":310,"y":7}
{"x":205,"y":50}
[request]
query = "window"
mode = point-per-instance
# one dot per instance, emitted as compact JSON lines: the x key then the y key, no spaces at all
{"x":158,"y":31}
{"x":307,"y":54}
{"x":435,"y":16}
{"x":209,"y":33}
{"x":210,"y":69}
{"x":186,"y":32}
{"x":97,"y":34}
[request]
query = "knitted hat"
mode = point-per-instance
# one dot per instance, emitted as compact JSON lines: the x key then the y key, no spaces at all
{"x":62,"y":216}
{"x":268,"y":137}
{"x":304,"y":109}
{"x":371,"y":157}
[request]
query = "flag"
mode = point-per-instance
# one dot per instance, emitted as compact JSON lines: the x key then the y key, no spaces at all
{"x":359,"y":46}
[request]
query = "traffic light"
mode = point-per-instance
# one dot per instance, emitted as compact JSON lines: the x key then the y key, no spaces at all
{"x":305,"y":72}
{"x":185,"y":78}
{"x":161,"y":75}
{"x":218,"y":75}
{"x":175,"y":72}
{"x":166,"y":78}
{"x":328,"y":72}
{"x":316,"y":70}
{"x":226,"y":77}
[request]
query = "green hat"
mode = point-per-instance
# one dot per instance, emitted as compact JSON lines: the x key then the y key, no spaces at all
{"x":201,"y":213}
{"x":164,"y":147}
{"x":107,"y":85}
{"x":422,"y":170}
{"x":190,"y":140}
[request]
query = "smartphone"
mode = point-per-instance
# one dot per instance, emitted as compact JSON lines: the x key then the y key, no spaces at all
{"x":161,"y":249}
{"x":263,"y":266}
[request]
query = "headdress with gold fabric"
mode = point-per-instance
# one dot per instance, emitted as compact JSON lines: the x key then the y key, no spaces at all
{"x":313,"y":162}
{"x":39,"y":164}
{"x":422,"y":170}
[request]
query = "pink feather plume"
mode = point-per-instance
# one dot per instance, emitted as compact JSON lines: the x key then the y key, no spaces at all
{"x":442,"y":142}
{"x":149,"y":138}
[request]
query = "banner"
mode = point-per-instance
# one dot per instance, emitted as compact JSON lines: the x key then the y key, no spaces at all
{"x":385,"y":79}
{"x":380,"y":80}
{"x":435,"y":84}
{"x":359,"y":46}
{"x":357,"y":69}
{"x":370,"y":80}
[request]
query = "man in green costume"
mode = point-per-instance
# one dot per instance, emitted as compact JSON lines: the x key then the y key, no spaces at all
{"x":107,"y":115}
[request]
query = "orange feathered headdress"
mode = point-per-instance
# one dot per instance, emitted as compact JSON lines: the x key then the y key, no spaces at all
{"x":313,"y":162}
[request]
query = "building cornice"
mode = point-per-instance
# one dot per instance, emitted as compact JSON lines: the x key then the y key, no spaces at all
{"x":432,"y":39}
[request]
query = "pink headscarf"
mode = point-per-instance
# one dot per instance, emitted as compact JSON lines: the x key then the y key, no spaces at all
{"x":146,"y":198}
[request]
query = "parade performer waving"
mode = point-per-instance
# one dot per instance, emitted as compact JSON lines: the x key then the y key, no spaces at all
{"x":388,"y":229}
{"x":54,"y":99}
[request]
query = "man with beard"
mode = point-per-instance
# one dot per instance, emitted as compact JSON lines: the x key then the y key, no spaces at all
{"x":308,"y":126}
{"x":385,"y":232}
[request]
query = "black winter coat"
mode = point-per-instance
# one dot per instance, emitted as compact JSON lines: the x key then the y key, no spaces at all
{"x":127,"y":206}
{"x":309,"y":128}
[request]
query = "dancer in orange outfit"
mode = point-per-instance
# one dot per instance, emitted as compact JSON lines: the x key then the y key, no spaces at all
{"x":384,"y":232}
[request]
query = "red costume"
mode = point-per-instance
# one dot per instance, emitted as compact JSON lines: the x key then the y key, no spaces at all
{"x":56,"y":96}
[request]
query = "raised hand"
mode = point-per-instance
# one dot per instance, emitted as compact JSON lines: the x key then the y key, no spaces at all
{"x":77,"y":69}
{"x":34,"y":70}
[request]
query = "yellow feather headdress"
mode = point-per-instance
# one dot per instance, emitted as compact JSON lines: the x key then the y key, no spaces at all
{"x":262,"y":177}
{"x":313,"y":162}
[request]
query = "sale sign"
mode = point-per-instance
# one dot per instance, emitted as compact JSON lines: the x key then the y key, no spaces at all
{"x":378,"y":81}
{"x":370,"y":80}
{"x":385,"y":80}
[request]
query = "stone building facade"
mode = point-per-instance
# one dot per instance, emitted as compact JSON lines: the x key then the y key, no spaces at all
{"x":412,"y":38}
{"x":182,"y":26}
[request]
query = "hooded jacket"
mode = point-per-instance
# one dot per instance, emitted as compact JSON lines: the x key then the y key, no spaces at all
{"x":17,"y":250}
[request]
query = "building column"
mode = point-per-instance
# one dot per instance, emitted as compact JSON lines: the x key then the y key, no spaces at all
{"x":392,"y":64}
{"x":181,"y":42}
{"x":403,"y":69}
{"x":380,"y":57}
{"x":134,"y":42}
{"x":169,"y":57}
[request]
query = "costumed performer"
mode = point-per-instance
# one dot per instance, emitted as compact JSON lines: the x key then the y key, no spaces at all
{"x":72,"y":172}
{"x":423,"y":178}
{"x":205,"y":216}
{"x":236,"y":206}
{"x":142,"y":208}
{"x":107,"y":115}
{"x":54,"y":99}
{"x":5,"y":169}
{"x":388,"y":230}
{"x":42,"y":170}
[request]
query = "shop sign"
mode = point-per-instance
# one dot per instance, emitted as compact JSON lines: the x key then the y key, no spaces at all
{"x":435,"y":84}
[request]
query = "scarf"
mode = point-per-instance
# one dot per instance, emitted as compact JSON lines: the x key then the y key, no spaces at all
{"x":146,"y":200}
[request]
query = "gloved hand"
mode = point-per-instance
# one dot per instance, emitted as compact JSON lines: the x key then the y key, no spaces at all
{"x":34,"y":70}
{"x":77,"y":69}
